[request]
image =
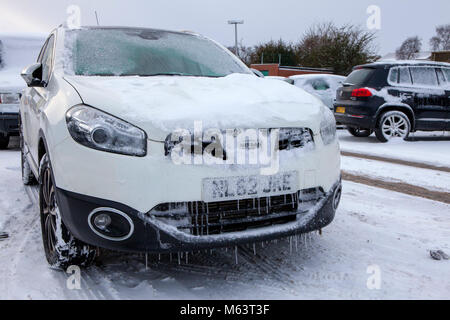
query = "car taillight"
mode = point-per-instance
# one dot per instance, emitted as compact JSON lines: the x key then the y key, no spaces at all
{"x":361,"y":92}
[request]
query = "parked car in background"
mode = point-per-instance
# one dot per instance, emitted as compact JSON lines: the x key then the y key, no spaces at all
{"x":16,"y":52}
{"x":100,"y":126}
{"x":323,"y":86}
{"x":395,"y":98}
{"x":288,"y":80}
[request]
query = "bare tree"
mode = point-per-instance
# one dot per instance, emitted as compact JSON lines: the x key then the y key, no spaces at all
{"x":337,"y":47}
{"x":275,"y":52}
{"x":409,"y":48}
{"x":441,"y":41}
{"x":244,"y":53}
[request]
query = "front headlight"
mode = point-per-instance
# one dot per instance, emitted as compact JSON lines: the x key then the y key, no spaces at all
{"x":327,"y":126}
{"x":98,"y":130}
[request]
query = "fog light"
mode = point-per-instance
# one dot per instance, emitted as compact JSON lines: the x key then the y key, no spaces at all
{"x":111,"y":224}
{"x":102,"y":221}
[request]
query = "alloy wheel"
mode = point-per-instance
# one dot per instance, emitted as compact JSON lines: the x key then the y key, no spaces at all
{"x":395,"y":126}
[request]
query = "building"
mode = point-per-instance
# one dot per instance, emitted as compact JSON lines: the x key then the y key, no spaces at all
{"x":442,"y":56}
{"x":274,"y":69}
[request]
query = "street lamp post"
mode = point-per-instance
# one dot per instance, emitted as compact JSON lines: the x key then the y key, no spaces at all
{"x":236,"y":22}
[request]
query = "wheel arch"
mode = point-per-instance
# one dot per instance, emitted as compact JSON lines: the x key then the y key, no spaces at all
{"x":406,"y":109}
{"x":42,"y":146}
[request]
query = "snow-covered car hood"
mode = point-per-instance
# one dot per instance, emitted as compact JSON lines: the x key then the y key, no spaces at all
{"x":161,"y":104}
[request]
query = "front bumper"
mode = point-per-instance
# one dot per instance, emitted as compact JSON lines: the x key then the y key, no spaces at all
{"x":152,"y":235}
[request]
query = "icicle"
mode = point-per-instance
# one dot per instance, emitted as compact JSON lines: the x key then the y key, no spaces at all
{"x":290,"y":245}
{"x":170,"y":254}
{"x":146,"y":261}
{"x":159,"y":257}
{"x":187,"y":259}
{"x":179,"y":259}
{"x":254,"y":249}
{"x":296,"y":243}
{"x":236,"y":254}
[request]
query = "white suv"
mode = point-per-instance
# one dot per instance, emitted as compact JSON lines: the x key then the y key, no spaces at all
{"x":153,"y":141}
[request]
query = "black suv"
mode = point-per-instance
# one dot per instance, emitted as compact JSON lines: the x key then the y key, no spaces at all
{"x":394,"y":99}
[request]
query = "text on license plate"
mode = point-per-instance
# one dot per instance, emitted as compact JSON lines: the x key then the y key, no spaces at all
{"x":340,"y":109}
{"x":255,"y":186}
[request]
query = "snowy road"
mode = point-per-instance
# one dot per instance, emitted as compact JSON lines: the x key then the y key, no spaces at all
{"x":374,"y":228}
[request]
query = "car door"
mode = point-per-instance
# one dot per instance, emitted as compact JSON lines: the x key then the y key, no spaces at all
{"x":27,"y":106}
{"x":428,"y":98}
{"x":444,"y":76}
{"x":39,"y":96}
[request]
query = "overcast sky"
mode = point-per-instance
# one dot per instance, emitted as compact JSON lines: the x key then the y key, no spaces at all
{"x":264,"y":20}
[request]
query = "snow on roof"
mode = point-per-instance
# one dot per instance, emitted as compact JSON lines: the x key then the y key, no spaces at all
{"x":407,"y":62}
{"x":314,"y":75}
{"x":422,"y":55}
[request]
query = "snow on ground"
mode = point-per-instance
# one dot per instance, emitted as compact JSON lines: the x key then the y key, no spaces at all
{"x":426,"y":178}
{"x":373,"y":227}
{"x":426,"y":147}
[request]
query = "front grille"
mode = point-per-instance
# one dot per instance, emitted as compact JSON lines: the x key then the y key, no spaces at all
{"x":289,"y":138}
{"x":201,"y":219}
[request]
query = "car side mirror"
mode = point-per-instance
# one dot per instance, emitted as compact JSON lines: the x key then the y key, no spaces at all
{"x":33,"y":75}
{"x":257,"y":73}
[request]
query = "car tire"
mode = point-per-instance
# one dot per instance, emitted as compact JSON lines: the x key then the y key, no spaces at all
{"x":4,"y":141}
{"x":393,"y":124}
{"x":360,"y":133}
{"x":61,"y":248}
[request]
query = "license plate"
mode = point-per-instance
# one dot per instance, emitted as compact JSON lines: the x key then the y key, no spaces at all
{"x":255,"y":186}
{"x":340,"y":109}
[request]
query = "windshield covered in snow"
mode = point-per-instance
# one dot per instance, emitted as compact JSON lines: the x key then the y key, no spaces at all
{"x":146,"y":52}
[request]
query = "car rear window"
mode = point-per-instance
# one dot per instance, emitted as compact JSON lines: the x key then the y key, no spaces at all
{"x":359,"y":76}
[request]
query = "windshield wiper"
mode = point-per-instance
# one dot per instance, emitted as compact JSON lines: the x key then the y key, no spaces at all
{"x":160,"y":74}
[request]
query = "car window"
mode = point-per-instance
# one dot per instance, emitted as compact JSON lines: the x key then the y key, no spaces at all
{"x":46,"y":59}
{"x":359,"y":76}
{"x":441,"y":77}
{"x":447,"y":73}
{"x":424,"y":76}
{"x":39,"y":59}
{"x":147,"y":52}
{"x":393,"y":75}
{"x":320,"y":84}
{"x":404,"y":77}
